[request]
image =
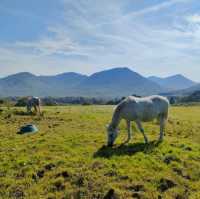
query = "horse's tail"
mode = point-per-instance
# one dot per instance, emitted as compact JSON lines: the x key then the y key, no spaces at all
{"x":166,"y":114}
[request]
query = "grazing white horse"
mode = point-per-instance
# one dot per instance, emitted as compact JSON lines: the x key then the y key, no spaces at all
{"x":33,"y":102}
{"x":139,"y":110}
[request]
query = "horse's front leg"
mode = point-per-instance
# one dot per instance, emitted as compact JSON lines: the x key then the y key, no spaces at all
{"x":139,"y":125}
{"x":128,"y":130}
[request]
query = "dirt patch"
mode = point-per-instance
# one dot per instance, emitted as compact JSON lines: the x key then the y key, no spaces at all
{"x":63,"y":174}
{"x":181,"y":173}
{"x":136,"y":188}
{"x":49,"y":166}
{"x":20,"y":175}
{"x":188,"y":148}
{"x":8,"y":116}
{"x":169,"y":158}
{"x":80,"y":181}
{"x":59,"y":186}
{"x":2,"y":173}
{"x":137,"y":195}
{"x":123,"y":177}
{"x":111,"y":195}
{"x":165,"y":184}
{"x":17,"y":193}
{"x":179,"y":196}
{"x":111,"y":173}
{"x":40,"y":173}
{"x":185,"y":148}
{"x":97,"y":165}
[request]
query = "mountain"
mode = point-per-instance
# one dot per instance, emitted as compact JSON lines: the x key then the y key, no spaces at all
{"x":21,"y":84}
{"x":63,"y":84}
{"x":65,"y":79}
{"x":183,"y":92}
{"x":192,"y":89}
{"x":118,"y":82}
{"x":25,"y":84}
{"x":115,"y":82}
{"x":175,"y":82}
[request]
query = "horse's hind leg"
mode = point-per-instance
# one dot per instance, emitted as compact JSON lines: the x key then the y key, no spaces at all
{"x":35,"y":108}
{"x":39,"y":109}
{"x":139,"y":125}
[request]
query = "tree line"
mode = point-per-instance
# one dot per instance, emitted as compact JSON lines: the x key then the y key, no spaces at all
{"x":53,"y":101}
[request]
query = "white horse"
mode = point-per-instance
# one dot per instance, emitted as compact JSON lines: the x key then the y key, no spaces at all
{"x":33,"y":102}
{"x":138,"y":110}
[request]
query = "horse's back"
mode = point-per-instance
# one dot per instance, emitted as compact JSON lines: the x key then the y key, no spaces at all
{"x":144,"y":108}
{"x":34,"y":101}
{"x":160,"y":102}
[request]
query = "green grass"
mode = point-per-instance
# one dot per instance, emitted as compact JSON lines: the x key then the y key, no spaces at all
{"x":67,"y":157}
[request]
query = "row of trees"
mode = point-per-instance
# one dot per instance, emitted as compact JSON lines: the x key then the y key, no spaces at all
{"x":52,"y":101}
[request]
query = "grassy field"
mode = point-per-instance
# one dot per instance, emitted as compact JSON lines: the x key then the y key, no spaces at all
{"x":67,"y":157}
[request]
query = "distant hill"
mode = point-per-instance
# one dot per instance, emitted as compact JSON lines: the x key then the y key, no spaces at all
{"x":116,"y":82}
{"x":183,"y":92}
{"x":175,"y":82}
{"x":192,"y":89}
{"x":62,"y":84}
{"x":24,"y":84}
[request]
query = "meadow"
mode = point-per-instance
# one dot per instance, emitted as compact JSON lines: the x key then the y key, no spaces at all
{"x":68,"y":158}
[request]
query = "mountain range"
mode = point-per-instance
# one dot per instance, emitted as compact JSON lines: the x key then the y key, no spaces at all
{"x":116,"y":82}
{"x":175,"y":82}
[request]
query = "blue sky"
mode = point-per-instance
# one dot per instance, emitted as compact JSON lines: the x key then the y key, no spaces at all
{"x":152,"y":37}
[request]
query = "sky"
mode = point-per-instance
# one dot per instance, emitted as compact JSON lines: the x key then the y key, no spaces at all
{"x":152,"y":37}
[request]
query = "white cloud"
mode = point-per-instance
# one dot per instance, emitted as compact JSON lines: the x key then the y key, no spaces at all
{"x":193,"y":18}
{"x":157,"y":7}
{"x":48,"y":46}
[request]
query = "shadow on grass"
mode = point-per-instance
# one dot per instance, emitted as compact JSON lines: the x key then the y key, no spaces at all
{"x":23,"y":113}
{"x":129,"y":149}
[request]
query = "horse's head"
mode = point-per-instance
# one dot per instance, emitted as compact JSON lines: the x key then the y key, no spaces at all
{"x":112,"y":135}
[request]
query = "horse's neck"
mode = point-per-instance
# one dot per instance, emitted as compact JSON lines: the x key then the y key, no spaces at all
{"x":116,"y":118}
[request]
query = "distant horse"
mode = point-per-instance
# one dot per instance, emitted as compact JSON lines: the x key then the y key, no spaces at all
{"x":139,"y":110}
{"x":33,"y":102}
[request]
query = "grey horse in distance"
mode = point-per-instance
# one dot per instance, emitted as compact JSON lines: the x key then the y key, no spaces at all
{"x":34,"y":102}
